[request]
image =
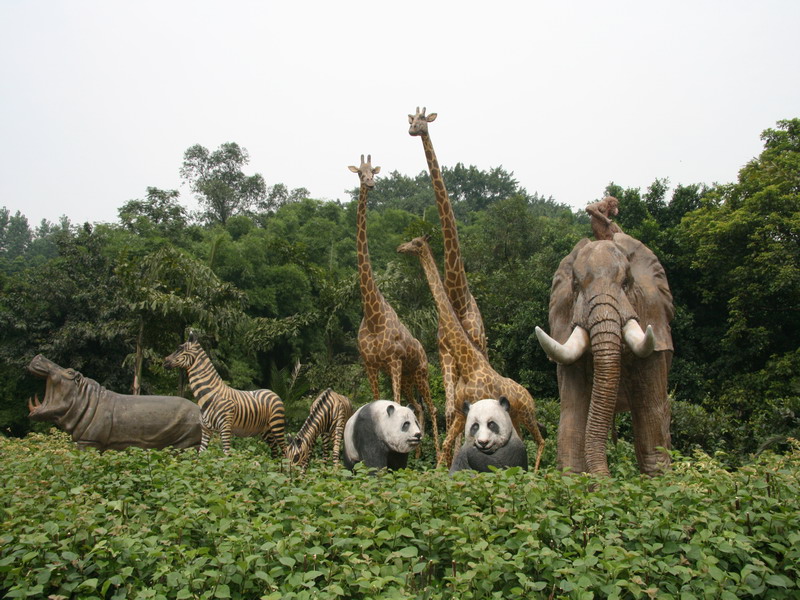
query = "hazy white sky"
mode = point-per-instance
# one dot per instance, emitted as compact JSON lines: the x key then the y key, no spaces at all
{"x":99,"y":100}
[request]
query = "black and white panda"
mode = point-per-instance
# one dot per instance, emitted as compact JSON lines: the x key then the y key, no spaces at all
{"x":491,"y":439}
{"x":381,"y":434}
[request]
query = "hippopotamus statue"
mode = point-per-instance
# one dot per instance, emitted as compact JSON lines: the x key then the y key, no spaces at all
{"x":99,"y":418}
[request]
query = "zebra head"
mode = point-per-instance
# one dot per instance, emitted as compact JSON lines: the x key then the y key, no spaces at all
{"x":297,"y":452}
{"x":185,"y":355}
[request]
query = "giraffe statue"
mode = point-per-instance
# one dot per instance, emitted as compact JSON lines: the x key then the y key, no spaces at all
{"x":455,"y":279}
{"x":385,"y":344}
{"x":477,"y":379}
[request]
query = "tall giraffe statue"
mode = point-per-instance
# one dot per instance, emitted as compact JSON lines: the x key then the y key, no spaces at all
{"x":385,"y":344}
{"x":455,"y":278}
{"x":477,"y":379}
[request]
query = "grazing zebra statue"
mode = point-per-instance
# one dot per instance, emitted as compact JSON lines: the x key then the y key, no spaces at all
{"x":327,"y":418}
{"x":226,"y":410}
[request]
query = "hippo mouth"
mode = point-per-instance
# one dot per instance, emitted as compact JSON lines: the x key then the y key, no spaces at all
{"x":42,"y":368}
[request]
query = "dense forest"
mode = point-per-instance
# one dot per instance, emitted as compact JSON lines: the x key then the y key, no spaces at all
{"x":267,"y":276}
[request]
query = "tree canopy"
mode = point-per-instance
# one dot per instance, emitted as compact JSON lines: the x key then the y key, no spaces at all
{"x":267,"y":275}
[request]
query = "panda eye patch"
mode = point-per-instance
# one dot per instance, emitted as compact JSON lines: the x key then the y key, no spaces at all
{"x":474,"y":429}
{"x":494,"y":427}
{"x":406,"y":425}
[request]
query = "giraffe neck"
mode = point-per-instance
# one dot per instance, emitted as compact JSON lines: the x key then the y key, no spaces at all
{"x":455,"y":279}
{"x":203,"y":378}
{"x":371,"y":298}
{"x":464,"y":352}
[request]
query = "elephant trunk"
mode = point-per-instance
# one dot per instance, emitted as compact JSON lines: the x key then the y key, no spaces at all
{"x":605,"y":333}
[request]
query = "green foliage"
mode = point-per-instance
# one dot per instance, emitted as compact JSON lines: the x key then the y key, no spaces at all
{"x":153,"y":524}
{"x":271,"y":279}
{"x":217,"y":179}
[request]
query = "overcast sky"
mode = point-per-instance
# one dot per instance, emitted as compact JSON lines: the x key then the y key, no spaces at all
{"x":99,"y":100}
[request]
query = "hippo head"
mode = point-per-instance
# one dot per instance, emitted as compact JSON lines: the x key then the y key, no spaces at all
{"x":59,"y":393}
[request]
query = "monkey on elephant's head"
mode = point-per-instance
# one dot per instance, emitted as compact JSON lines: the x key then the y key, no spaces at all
{"x":601,"y":212}
{"x":603,"y":294}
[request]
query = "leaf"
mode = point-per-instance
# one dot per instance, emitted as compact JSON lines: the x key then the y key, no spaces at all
{"x":222,"y":591}
{"x":288,"y":561}
{"x":408,"y":552}
{"x":778,"y":580}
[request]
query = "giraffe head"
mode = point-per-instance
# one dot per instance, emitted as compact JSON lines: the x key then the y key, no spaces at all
{"x":415,"y":246}
{"x":366,"y":172}
{"x":419,"y":122}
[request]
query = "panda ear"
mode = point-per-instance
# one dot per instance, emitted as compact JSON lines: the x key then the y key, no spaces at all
{"x":465,"y":407}
{"x":505,"y":403}
{"x":390,"y":410}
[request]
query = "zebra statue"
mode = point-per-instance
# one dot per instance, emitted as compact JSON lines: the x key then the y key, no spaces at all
{"x":328,"y":415}
{"x":226,"y":410}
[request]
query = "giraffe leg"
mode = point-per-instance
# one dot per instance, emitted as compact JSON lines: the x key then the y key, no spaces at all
{"x":425,"y":391}
{"x":529,"y":420}
{"x":449,"y":379}
{"x":372,"y":376}
{"x":455,"y":429}
{"x":408,"y":393}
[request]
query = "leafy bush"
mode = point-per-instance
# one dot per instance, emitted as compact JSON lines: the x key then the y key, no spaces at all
{"x":169,"y":524}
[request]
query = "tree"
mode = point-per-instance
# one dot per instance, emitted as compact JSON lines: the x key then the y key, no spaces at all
{"x":279,"y":195}
{"x":160,"y":210}
{"x":168,"y":291}
{"x":217,"y":179}
{"x":15,"y":234}
{"x":741,"y":250}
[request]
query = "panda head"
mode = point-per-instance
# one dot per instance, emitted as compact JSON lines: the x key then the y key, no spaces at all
{"x":397,"y":425}
{"x":488,"y":425}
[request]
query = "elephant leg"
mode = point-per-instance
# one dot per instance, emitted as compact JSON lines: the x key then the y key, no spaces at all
{"x":574,"y":388}
{"x":650,"y":412}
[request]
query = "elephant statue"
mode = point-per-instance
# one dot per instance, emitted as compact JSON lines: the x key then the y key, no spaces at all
{"x":602,"y":294}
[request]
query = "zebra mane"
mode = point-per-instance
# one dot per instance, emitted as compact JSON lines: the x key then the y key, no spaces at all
{"x":302,"y":436}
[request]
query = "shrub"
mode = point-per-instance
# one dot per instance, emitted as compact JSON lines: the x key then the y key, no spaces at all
{"x":171,"y":524}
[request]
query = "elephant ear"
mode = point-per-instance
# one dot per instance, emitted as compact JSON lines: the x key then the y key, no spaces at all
{"x":650,"y":294}
{"x":562,"y":296}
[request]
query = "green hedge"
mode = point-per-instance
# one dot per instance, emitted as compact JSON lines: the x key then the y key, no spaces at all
{"x":170,"y":524}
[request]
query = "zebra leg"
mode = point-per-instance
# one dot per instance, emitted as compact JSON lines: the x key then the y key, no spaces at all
{"x":338,"y":434}
{"x":205,"y":435}
{"x":272,"y":440}
{"x":225,"y":434}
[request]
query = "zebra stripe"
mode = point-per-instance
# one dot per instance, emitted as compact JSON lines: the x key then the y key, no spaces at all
{"x":226,"y":410}
{"x":326,"y":420}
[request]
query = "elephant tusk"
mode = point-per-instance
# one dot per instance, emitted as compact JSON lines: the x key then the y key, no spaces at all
{"x":641,"y":343}
{"x":568,"y":352}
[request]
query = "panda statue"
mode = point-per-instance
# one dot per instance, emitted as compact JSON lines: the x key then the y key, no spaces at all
{"x":381,"y":434}
{"x":491,"y":440}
